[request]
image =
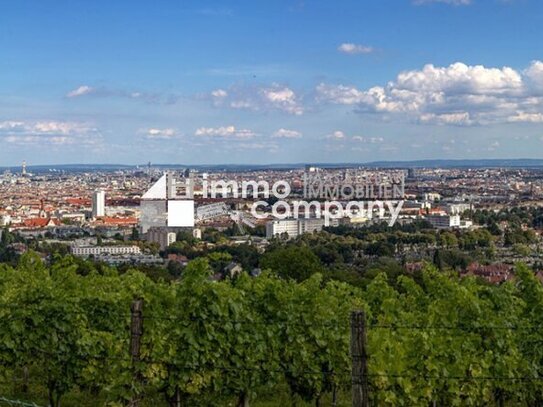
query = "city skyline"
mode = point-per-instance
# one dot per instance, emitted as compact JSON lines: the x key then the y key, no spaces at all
{"x":285,"y":82}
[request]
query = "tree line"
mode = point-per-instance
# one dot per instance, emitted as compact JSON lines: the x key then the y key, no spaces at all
{"x":434,"y":339}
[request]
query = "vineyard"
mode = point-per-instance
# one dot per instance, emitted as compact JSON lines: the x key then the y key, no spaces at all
{"x":432,"y":339}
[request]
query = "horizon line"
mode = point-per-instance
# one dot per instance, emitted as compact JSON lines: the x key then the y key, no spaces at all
{"x":288,"y":164}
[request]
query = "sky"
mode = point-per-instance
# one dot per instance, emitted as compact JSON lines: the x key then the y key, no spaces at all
{"x":256,"y":82}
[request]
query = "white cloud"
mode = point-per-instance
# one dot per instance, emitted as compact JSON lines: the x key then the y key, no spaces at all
{"x":458,"y":94}
{"x":279,"y":95}
{"x":526,"y":117}
{"x":11,"y":126}
{"x":48,"y":132}
{"x":274,"y":97}
{"x":227,"y":132}
{"x":352,"y":49}
{"x":160,"y":134}
{"x":285,"y":133}
{"x":534,"y":74}
{"x":340,"y":135}
{"x":80,"y":91}
{"x":104,"y":92}
{"x":242,"y":104}
{"x":339,"y":94}
{"x":219,"y":93}
{"x":459,"y":119}
{"x":53,"y":127}
{"x":371,"y":140}
{"x":283,"y":98}
{"x":460,"y":78}
{"x":336,"y":135}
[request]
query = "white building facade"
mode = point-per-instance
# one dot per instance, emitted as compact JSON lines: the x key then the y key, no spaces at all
{"x":98,"y":204}
{"x":444,"y":221}
{"x":295,"y":227}
{"x":85,"y":251}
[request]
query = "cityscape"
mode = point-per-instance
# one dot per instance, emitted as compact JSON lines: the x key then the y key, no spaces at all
{"x":110,"y":216}
{"x":290,"y":203}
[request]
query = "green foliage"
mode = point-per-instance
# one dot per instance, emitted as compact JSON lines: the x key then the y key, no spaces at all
{"x":295,"y":262}
{"x":135,"y":234}
{"x":468,"y":338}
{"x":436,"y":339}
{"x":521,"y":249}
{"x":7,"y":237}
{"x":451,"y":259}
{"x":218,"y":260}
{"x":186,"y":236}
{"x":519,"y":236}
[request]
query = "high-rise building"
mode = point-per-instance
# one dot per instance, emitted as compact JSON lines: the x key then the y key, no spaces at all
{"x":163,"y":236}
{"x":23,"y":170}
{"x":98,"y":204}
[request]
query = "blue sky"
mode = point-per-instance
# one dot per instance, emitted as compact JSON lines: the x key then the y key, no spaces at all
{"x":200,"y":82}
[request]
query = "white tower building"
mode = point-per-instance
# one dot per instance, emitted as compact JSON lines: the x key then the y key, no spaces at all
{"x":98,"y":204}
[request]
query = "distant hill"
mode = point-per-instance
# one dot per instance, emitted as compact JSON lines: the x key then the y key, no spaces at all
{"x":482,"y":163}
